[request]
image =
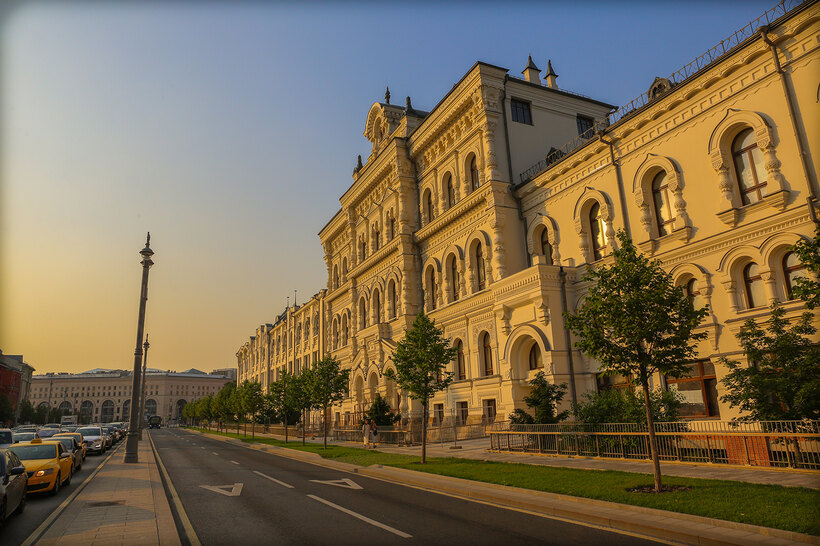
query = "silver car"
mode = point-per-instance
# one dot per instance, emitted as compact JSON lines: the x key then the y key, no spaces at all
{"x":13,"y":482}
{"x":95,"y":439}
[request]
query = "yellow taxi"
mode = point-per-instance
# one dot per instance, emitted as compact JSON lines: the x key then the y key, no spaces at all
{"x":48,"y":464}
{"x":77,"y":436}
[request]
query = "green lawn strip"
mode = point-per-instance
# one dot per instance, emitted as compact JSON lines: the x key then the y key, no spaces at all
{"x":788,"y":508}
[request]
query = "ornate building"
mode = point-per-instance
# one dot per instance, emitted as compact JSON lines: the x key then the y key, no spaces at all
{"x":486,"y":211}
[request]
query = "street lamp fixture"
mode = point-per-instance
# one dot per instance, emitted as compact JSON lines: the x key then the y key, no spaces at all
{"x":132,"y":441}
{"x":144,"y":384}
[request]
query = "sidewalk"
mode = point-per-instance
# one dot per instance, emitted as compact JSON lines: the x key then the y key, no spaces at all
{"x":479,"y":449}
{"x":122,"y":504}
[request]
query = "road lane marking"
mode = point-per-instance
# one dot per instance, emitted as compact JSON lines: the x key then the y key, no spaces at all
{"x":215,"y":453}
{"x":235,"y":489}
{"x":283,"y":484}
{"x":234,"y":462}
{"x":187,"y":528}
{"x":347,"y":483}
{"x":361,"y":517}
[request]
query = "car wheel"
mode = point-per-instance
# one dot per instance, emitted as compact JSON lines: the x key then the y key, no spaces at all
{"x":22,"y":506}
{"x":56,"y":485}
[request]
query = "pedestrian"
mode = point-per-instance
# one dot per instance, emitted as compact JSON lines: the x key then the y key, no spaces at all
{"x":366,"y":434}
{"x":374,"y":433}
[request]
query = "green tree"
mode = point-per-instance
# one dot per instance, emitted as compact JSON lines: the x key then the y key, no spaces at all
{"x":625,"y":406}
{"x":280,"y":400}
{"x":251,"y":401}
{"x":328,"y":385}
{"x":6,"y":411}
{"x":381,"y":413}
{"x":224,"y":403}
{"x":543,"y":398}
{"x":782,"y":380}
{"x":806,"y":288}
{"x":420,"y":360}
{"x":204,"y":410}
{"x":26,"y":412}
{"x":41,"y":415}
{"x":636,"y":322}
{"x":302,"y":396}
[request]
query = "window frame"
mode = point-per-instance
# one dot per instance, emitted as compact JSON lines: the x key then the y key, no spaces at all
{"x":521,"y":111}
{"x":786,"y":270}
{"x":486,"y":355}
{"x":747,"y":285}
{"x":758,"y":186}
{"x":580,"y":124}
{"x":597,"y":232}
{"x":663,"y":192}
{"x":702,"y":378}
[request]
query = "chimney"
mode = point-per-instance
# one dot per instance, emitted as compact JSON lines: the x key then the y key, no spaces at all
{"x":531,"y":73}
{"x":551,"y":77}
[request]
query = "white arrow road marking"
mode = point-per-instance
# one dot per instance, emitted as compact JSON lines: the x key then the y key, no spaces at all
{"x":235,"y":489}
{"x":274,"y":480}
{"x":361,"y":517}
{"x":344,"y":482}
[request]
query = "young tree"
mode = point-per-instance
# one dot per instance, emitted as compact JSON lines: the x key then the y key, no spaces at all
{"x":381,"y":413}
{"x":280,"y":398}
{"x":636,"y":322}
{"x":806,"y":288}
{"x":420,"y":359}
{"x":782,"y":380}
{"x":544,"y":397}
{"x":6,"y":411}
{"x":26,"y":412}
{"x":223,"y":403}
{"x":328,"y":385}
{"x":251,"y":399}
{"x":302,"y":396}
{"x":625,"y":406}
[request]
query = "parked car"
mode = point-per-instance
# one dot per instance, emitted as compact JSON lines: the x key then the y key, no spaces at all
{"x":77,"y":436}
{"x":71,"y":445}
{"x":94,"y":438}
{"x":48,"y":465}
{"x":13,"y":482}
{"x":112,"y":436}
{"x":6,"y":437}
{"x":155,"y":421}
{"x":52,"y":425}
{"x":47,"y":432}
{"x":23,"y":436}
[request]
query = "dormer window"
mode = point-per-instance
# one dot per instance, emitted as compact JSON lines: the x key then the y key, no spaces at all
{"x":585,"y":125}
{"x":520,"y":111}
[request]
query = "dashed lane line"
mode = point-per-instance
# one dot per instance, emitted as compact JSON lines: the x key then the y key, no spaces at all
{"x":361,"y":517}
{"x":274,"y":480}
{"x":234,"y":462}
{"x":215,"y":453}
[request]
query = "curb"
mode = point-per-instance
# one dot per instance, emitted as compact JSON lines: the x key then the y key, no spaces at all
{"x":649,"y":522}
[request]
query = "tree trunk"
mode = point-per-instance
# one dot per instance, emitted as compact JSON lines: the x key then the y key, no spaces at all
{"x":324,"y":425}
{"x":653,"y":442}
{"x":253,"y":426}
{"x":286,"y":428}
{"x":424,"y":432}
{"x":304,"y":428}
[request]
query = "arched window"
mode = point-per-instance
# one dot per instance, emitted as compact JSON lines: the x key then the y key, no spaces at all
{"x":449,"y":190}
{"x":749,"y":167}
{"x":663,"y":210}
{"x":754,"y":289}
{"x":362,"y":248}
{"x":473,"y":173}
{"x":362,"y":314}
{"x":481,"y":275}
{"x":335,"y":336}
{"x":431,"y":288}
{"x":546,"y":247}
{"x":792,"y":270}
{"x":694,"y":294}
{"x":428,"y":206}
{"x":86,"y":411}
{"x":307,"y":329}
{"x":486,"y":354}
{"x":597,"y":232}
{"x":535,"y":359}
{"x":454,"y":280}
{"x":345,"y":330}
{"x":393,"y":300}
{"x":377,"y":238}
{"x":151,"y":406}
{"x":344,"y":269}
{"x":461,"y":368}
{"x":335,"y":276}
{"x":107,"y":414}
{"x":377,"y":307}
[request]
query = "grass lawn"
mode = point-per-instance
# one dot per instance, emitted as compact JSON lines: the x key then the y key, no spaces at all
{"x":788,"y":508}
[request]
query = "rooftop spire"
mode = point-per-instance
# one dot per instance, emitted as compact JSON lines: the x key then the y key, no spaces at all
{"x":551,"y":77}
{"x":531,"y":73}
{"x":387,"y":95}
{"x":409,"y":105}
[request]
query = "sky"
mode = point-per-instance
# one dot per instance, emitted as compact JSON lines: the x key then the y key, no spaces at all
{"x":229,"y":131}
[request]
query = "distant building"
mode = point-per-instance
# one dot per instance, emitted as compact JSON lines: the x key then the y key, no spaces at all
{"x":230,"y":373}
{"x":15,"y":379}
{"x":102,"y":395}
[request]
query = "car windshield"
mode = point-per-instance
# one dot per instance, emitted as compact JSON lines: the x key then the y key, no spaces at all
{"x":6,"y":437}
{"x":47,"y":432}
{"x":23,"y":436}
{"x":42,"y":451}
{"x":91,"y":431}
{"x":68,"y":443}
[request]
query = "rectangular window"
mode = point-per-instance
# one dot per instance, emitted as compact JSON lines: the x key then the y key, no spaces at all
{"x":607,"y":382}
{"x":489,"y":410}
{"x":585,"y":125}
{"x":463,"y":412}
{"x":698,"y":387}
{"x":438,"y":413}
{"x":520,"y":111}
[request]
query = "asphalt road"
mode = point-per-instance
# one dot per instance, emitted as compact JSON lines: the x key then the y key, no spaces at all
{"x":40,"y":505}
{"x":236,"y":495}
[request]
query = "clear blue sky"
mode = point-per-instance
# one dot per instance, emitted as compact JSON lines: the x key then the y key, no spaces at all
{"x":229,"y":130}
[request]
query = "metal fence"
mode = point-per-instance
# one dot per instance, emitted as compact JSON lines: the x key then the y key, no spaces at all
{"x":411,"y":435}
{"x":779,"y":444}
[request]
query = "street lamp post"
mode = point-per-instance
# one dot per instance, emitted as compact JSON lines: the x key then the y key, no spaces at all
{"x":132,"y":441}
{"x":144,"y":384}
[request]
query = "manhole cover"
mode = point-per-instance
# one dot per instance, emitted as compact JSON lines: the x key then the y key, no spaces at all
{"x":105,"y":503}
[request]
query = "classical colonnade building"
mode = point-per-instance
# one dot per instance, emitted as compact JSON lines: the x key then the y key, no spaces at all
{"x":486,"y":211}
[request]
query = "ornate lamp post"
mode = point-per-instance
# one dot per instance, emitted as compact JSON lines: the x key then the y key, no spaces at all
{"x":144,"y":384}
{"x":132,"y":441}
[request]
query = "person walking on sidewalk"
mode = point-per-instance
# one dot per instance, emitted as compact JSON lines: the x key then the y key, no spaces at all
{"x":366,"y":434}
{"x":374,"y":433}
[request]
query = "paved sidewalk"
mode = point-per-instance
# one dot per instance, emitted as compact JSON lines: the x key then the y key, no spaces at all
{"x":122,"y":504}
{"x":479,"y":449}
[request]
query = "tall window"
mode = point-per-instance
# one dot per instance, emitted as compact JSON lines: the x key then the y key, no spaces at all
{"x":481,"y":275}
{"x":391,"y":227}
{"x":792,"y":270}
{"x":585,"y":124}
{"x":597,"y":232}
{"x":377,"y":238}
{"x":454,"y":278}
{"x":489,"y":410}
{"x":487,"y":354}
{"x":749,"y":166}
{"x":391,"y":295}
{"x":362,"y":314}
{"x":698,"y":388}
{"x":335,"y":276}
{"x":461,"y":368}
{"x":534,"y":358}
{"x":693,"y":294}
{"x":428,"y":206}
{"x":473,"y":168}
{"x":463,"y":412}
{"x":754,"y":289}
{"x":520,"y":111}
{"x":377,"y":307}
{"x":449,"y":191}
{"x":546,"y":247}
{"x":663,"y":210}
{"x":431,"y":288}
{"x":362,"y":248}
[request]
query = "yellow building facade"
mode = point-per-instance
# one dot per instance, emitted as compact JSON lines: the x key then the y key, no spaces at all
{"x":486,"y":211}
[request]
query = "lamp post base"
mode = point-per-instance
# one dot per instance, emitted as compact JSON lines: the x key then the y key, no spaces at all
{"x":132,"y":447}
